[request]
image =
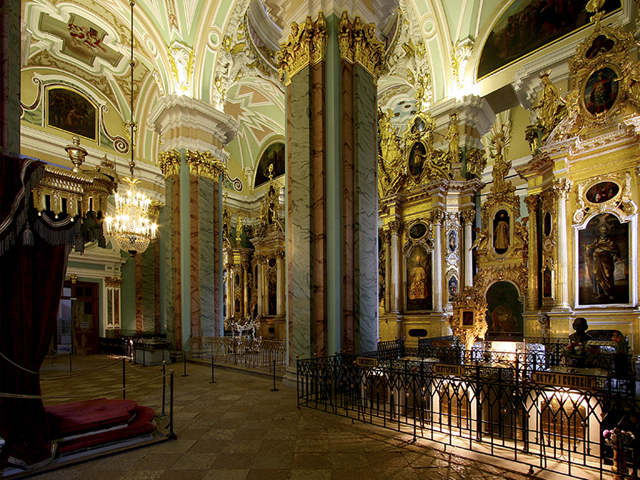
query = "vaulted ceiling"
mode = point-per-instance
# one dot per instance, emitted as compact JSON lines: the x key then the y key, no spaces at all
{"x":222,"y":52}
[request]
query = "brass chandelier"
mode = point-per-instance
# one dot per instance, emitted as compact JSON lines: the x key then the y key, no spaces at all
{"x":131,"y":226}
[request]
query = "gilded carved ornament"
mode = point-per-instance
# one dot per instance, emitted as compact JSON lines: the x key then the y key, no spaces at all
{"x":112,"y":282}
{"x":390,"y":170}
{"x":422,"y":161}
{"x":460,"y":54}
{"x":306,"y":45}
{"x":395,"y":227}
{"x":516,"y":274}
{"x":476,"y":162}
{"x":469,"y":217}
{"x":204,"y":164}
{"x":468,"y":321}
{"x":589,"y":205}
{"x":169,"y":163}
{"x":359,"y":43}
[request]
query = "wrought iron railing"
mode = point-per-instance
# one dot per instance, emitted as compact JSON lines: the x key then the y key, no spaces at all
{"x":517,"y":406}
{"x":247,"y":352}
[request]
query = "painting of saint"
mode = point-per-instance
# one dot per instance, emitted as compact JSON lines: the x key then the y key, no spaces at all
{"x":273,"y":155}
{"x":467,"y":318}
{"x":604,"y":261}
{"x":602,"y":192}
{"x":501,"y":238}
{"x":504,"y":312}
{"x":527,"y":25}
{"x":71,"y":112}
{"x":417,"y":158}
{"x":453,"y":241}
{"x":418,"y":284}
{"x":601,"y":91}
{"x":453,"y":287}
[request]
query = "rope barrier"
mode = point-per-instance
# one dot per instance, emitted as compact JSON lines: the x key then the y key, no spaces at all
{"x":79,"y":374}
{"x":16,"y":365}
{"x":119,"y":390}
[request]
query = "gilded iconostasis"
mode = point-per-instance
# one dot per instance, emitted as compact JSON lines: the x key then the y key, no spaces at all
{"x":508,"y":150}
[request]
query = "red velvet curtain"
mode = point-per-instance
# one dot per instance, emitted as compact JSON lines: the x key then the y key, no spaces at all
{"x":32,"y":270}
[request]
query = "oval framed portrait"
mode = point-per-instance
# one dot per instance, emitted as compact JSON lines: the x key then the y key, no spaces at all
{"x":602,"y":192}
{"x":417,"y":231}
{"x":600,"y":91}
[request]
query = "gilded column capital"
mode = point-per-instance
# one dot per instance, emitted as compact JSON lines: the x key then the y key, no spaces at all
{"x":395,"y":227}
{"x":169,"y":163}
{"x":437,"y":217}
{"x":533,"y":202}
{"x":261,"y":259}
{"x":112,"y":282}
{"x":469,"y":216}
{"x":306,"y":45}
{"x":280,"y":254}
{"x":385,"y":236}
{"x":562,"y":188}
{"x":155,"y":207}
{"x":359,"y":44}
{"x":204,"y":164}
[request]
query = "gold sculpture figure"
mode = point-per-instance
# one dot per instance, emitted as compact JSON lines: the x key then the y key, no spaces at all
{"x":453,"y":136}
{"x":548,"y":104}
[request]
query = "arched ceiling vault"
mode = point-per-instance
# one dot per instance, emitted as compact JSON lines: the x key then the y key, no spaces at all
{"x":195,"y":46}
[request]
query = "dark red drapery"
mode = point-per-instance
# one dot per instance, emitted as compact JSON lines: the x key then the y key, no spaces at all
{"x":32,"y":269}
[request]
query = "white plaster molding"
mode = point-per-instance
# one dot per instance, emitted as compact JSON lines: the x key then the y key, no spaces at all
{"x":178,"y":111}
{"x":473,"y":111}
{"x":25,"y":41}
{"x":109,"y":257}
{"x":40,"y":141}
{"x":264,"y":27}
{"x":526,"y":83}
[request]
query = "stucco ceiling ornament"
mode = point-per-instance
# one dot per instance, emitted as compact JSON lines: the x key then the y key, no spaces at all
{"x":460,"y":55}
{"x":182,"y":61}
{"x":240,"y":57}
{"x":406,"y":57}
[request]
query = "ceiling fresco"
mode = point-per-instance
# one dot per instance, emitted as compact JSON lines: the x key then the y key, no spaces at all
{"x":218,"y":53}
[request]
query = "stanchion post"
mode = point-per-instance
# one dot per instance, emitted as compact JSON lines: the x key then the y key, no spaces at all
{"x":213,"y":380}
{"x":171,"y":435}
{"x":164,"y":385}
{"x":124,"y":386}
{"x":184,"y":362}
{"x":274,"y":389}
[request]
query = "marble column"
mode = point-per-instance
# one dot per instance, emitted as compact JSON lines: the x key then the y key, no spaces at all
{"x":147,"y":285}
{"x":195,"y":133}
{"x":10,"y":61}
{"x":469,"y":217}
{"x":332,"y":200}
{"x":438,"y":218}
{"x":170,"y":164}
{"x":395,"y":227}
{"x":231,"y":287}
{"x":562,"y":189}
{"x":245,"y":287}
{"x":386,"y":236}
{"x":259,"y":284}
{"x":533,"y":203}
{"x":281,"y":281}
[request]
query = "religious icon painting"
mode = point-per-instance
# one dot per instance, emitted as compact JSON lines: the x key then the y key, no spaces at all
{"x":602,"y":192}
{"x":273,"y":155}
{"x":452,"y":287}
{"x":504,"y":311}
{"x":417,"y":157}
{"x":72,"y":112}
{"x":466,"y":318}
{"x":501,"y":232}
{"x":603,"y":273}
{"x":419,"y":281}
{"x":601,"y":91}
{"x":547,"y":224}
{"x":417,"y":231}
{"x":452,"y":240}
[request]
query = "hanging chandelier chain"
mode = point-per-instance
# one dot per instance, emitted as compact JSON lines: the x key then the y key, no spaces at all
{"x":132,"y":64}
{"x":131,"y":226}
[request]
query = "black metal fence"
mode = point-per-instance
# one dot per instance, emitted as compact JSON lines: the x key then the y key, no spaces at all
{"x":527,"y":406}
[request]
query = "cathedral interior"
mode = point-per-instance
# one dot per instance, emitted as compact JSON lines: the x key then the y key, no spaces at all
{"x":330,"y":176}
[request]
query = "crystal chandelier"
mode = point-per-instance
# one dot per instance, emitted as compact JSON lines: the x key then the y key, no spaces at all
{"x":131,"y":227}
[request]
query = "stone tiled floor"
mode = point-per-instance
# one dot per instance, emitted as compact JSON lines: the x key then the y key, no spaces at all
{"x":238,"y":429}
